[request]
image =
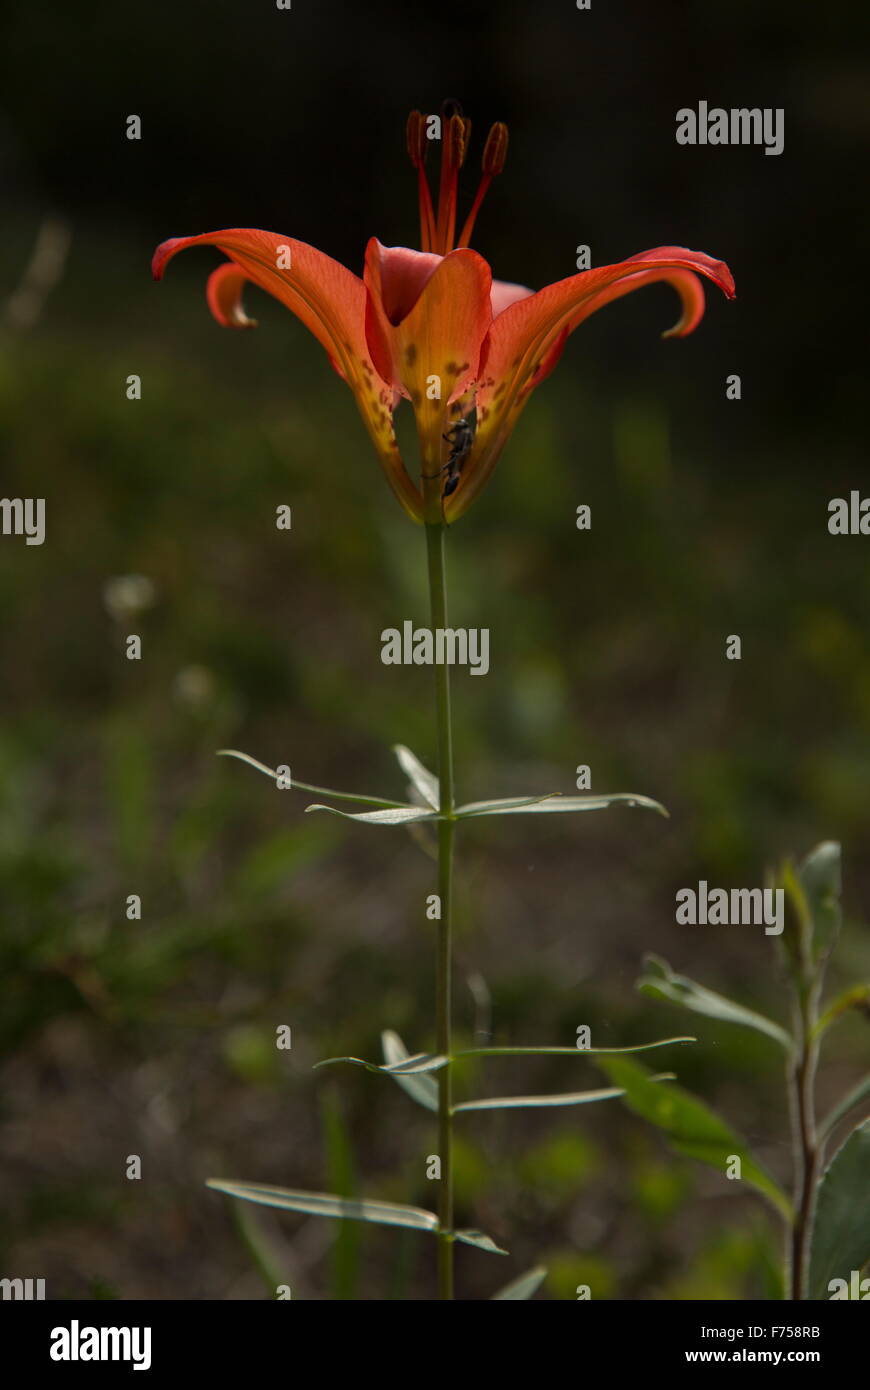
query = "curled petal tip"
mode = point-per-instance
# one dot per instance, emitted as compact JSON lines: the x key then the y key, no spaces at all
{"x":721,"y":275}
{"x":683,"y":328}
{"x":164,"y":253}
{"x":692,"y":293}
{"x":224,"y":295}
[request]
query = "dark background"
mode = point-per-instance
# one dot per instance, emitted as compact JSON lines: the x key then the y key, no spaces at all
{"x":709,"y":518}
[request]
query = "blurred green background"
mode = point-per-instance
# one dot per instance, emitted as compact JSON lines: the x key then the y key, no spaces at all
{"x":156,"y":1037}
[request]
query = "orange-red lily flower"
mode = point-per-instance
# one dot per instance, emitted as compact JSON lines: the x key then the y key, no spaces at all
{"x":433,"y":326}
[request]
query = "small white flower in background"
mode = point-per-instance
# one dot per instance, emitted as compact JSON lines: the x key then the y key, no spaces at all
{"x":194,"y":686}
{"x":126,"y":595}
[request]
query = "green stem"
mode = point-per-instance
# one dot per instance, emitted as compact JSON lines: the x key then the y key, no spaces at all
{"x":806,"y":1140}
{"x":444,"y":969}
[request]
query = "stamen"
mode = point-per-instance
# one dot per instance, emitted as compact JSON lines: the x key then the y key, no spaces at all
{"x":453,"y":148}
{"x":460,"y":129}
{"x":494,"y":156}
{"x":418,"y":146}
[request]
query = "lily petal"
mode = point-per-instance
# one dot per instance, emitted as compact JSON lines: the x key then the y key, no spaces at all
{"x":402,"y":275}
{"x":426,"y":315}
{"x":328,"y":299}
{"x":505,"y":294}
{"x":526,"y":341}
{"x":425,"y":324}
{"x":224,"y":294}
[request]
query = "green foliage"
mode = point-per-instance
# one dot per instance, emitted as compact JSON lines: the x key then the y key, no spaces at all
{"x":661,"y":982}
{"x":829,"y":1219}
{"x":841,"y":1231}
{"x":345,"y":1209}
{"x":821,"y":881}
{"x":421,"y":1088}
{"x":536,"y":1102}
{"x":691,"y":1127}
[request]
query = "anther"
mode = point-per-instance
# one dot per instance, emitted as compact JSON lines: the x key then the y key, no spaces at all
{"x":416,"y":137}
{"x":495,"y":150}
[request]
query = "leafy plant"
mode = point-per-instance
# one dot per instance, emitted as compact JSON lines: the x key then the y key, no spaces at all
{"x":827,"y":1220}
{"x":423,"y":1075}
{"x":467,"y":351}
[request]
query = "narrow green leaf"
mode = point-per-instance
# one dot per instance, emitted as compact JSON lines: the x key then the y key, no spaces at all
{"x":515,"y":806}
{"x":422,"y":1089}
{"x":502,"y":806}
{"x":295,"y":784}
{"x":328,"y":1204}
{"x":820,"y":878}
{"x":690,"y":1126}
{"x":479,"y":1241}
{"x":536,"y":1102}
{"x":663,"y":983}
{"x":419,"y":776}
{"x":566,"y":1051}
{"x":524,"y":1287}
{"x":856,"y":998}
{"x":841,"y":1232}
{"x":794,"y":943}
{"x":849,"y":1101}
{"x":396,"y":815}
{"x":420,"y":1062}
